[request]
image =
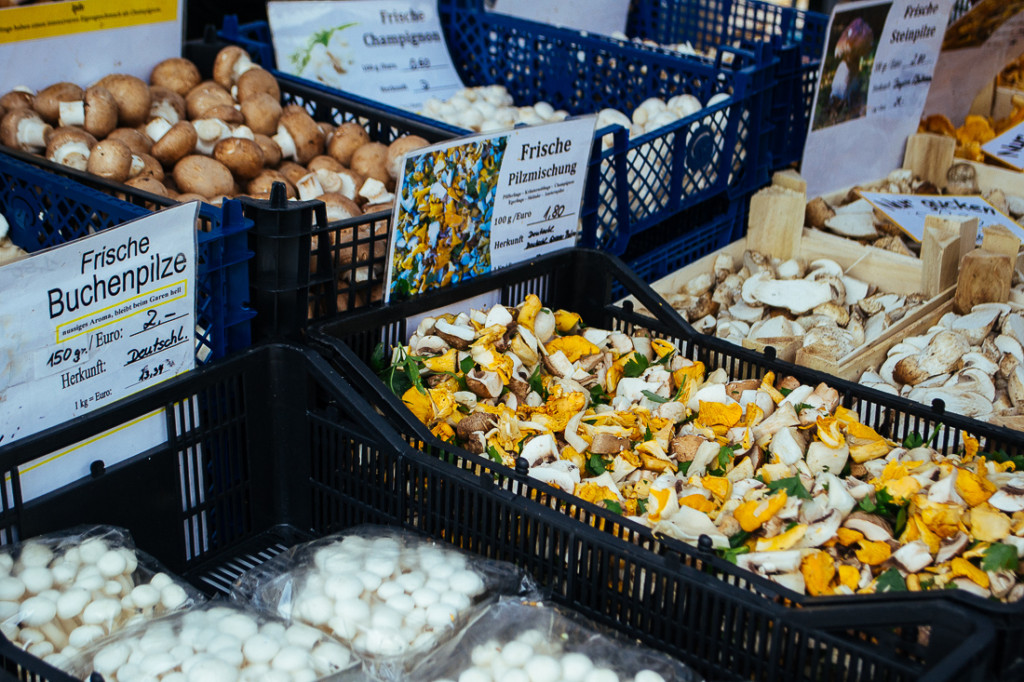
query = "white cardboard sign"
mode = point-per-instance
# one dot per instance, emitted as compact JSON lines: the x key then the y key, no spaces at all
{"x":391,"y":52}
{"x":909,"y":211}
{"x":876,"y":71}
{"x":467,"y":206}
{"x":84,"y":40}
{"x":1008,"y":147}
{"x":96,"y":320}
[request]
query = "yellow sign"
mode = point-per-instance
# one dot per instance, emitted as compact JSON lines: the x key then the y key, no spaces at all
{"x":52,"y":19}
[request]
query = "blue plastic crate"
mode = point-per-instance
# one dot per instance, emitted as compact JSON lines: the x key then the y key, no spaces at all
{"x":797,"y":38}
{"x":635,"y":184}
{"x":45,"y":209}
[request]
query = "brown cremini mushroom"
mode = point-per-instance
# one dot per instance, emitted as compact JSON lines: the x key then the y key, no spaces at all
{"x":371,"y":161}
{"x":203,"y":175}
{"x":148,"y":183}
{"x":262,"y":113}
{"x":204,"y":96}
{"x":132,"y":97}
{"x":24,"y":129}
{"x":254,"y":82}
{"x":243,"y":157}
{"x":70,"y":147}
{"x":298,"y":135}
{"x":347,"y":138}
{"x":166,"y":104}
{"x":397,"y":151}
{"x":18,"y":98}
{"x":174,"y":143}
{"x":136,"y":140}
{"x":271,"y":152}
{"x":110,"y":159}
{"x":231,"y":62}
{"x":261,"y":184}
{"x":176,"y":74}
{"x":47,"y":102}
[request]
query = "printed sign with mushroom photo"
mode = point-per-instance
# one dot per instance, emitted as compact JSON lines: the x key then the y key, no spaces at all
{"x":443,"y":216}
{"x":849,"y":60}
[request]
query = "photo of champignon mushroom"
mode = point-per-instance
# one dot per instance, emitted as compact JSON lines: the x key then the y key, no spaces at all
{"x":443,"y":222}
{"x":847,"y":66}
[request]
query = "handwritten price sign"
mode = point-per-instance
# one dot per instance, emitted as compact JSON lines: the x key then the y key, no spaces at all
{"x":1008,"y":147}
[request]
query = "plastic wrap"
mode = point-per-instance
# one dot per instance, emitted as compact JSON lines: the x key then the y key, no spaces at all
{"x":62,"y":591}
{"x":220,"y":640}
{"x":391,"y":595}
{"x":515,"y":640}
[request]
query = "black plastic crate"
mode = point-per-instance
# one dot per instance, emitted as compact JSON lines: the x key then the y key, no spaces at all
{"x":45,"y":209}
{"x":584,"y":281}
{"x":272,"y":447}
{"x":717,"y":150}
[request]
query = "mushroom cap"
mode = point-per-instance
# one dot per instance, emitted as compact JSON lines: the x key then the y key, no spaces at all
{"x":398,"y":149}
{"x":292,"y":171}
{"x":136,"y":140}
{"x":132,"y":96}
{"x":347,"y":138}
{"x":339,"y":207}
{"x":308,"y":138}
{"x":204,"y":96}
{"x":243,"y":157}
{"x":261,"y":184}
{"x":271,"y":150}
{"x":256,"y":81}
{"x":324,"y":162}
{"x":148,"y":183}
{"x":225,"y":112}
{"x":203,"y":175}
{"x":855,"y":41}
{"x":47,"y":102}
{"x":175,"y":144}
{"x":150,"y":167}
{"x":166,"y":103}
{"x":371,"y":161}
{"x":65,"y":134}
{"x":100,"y":111}
{"x":262,"y":111}
{"x":111,"y":159}
{"x":177,"y":74}
{"x":17,"y":99}
{"x":225,"y":64}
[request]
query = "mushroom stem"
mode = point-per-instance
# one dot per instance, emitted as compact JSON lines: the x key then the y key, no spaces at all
{"x":72,"y":113}
{"x":32,"y":132}
{"x":73,"y":154}
{"x":285,"y":141}
{"x":157,"y":128}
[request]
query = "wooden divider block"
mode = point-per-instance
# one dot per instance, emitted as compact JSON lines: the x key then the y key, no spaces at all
{"x":940,"y":252}
{"x":929,"y":156}
{"x":776,"y":222}
{"x":984,"y":277}
{"x":999,"y":239}
{"x":790,"y":179}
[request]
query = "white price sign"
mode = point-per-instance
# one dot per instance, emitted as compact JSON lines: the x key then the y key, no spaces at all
{"x":1008,"y":147}
{"x":484,"y":202}
{"x":909,"y":211}
{"x":392,"y":52}
{"x":96,"y":320}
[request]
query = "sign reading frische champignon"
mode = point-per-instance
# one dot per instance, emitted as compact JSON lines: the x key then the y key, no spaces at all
{"x":470,"y":205}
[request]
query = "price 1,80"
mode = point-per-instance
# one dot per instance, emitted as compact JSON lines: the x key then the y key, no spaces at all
{"x":552,"y":212}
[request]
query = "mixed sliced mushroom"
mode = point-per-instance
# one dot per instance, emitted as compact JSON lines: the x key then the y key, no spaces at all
{"x":777,"y":474}
{"x":778,"y":303}
{"x":974,"y":363}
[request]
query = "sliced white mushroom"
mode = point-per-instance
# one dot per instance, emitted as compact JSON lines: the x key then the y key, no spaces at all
{"x":853,"y":225}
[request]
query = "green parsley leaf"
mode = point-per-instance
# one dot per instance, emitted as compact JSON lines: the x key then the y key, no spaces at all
{"x":595,"y":465}
{"x":739,"y":538}
{"x":733,"y":552}
{"x":614,"y":506}
{"x":635,"y":366}
{"x":467,"y":364}
{"x":999,"y":556}
{"x":890,"y":581}
{"x":537,"y":384}
{"x":785,"y":391}
{"x":867,"y":505}
{"x":791,"y":525}
{"x":684,"y":467}
{"x":377,"y":361}
{"x":792,"y":485}
{"x":598,"y":395}
{"x":912,"y":441}
{"x":493,"y":453}
{"x":647,"y":434}
{"x":641,"y":506}
{"x":800,"y":407}
{"x":663,"y":360}
{"x":654,"y":397}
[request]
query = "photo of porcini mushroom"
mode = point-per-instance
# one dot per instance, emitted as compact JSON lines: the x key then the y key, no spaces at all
{"x":443,"y":221}
{"x":846,"y":69}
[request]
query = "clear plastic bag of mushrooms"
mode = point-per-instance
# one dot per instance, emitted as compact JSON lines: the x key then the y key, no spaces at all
{"x":63,"y":591}
{"x":521,"y":640}
{"x":219,"y":641}
{"x":391,"y":595}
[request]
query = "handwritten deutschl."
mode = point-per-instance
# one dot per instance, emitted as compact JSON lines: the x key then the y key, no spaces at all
{"x":908,"y":211}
